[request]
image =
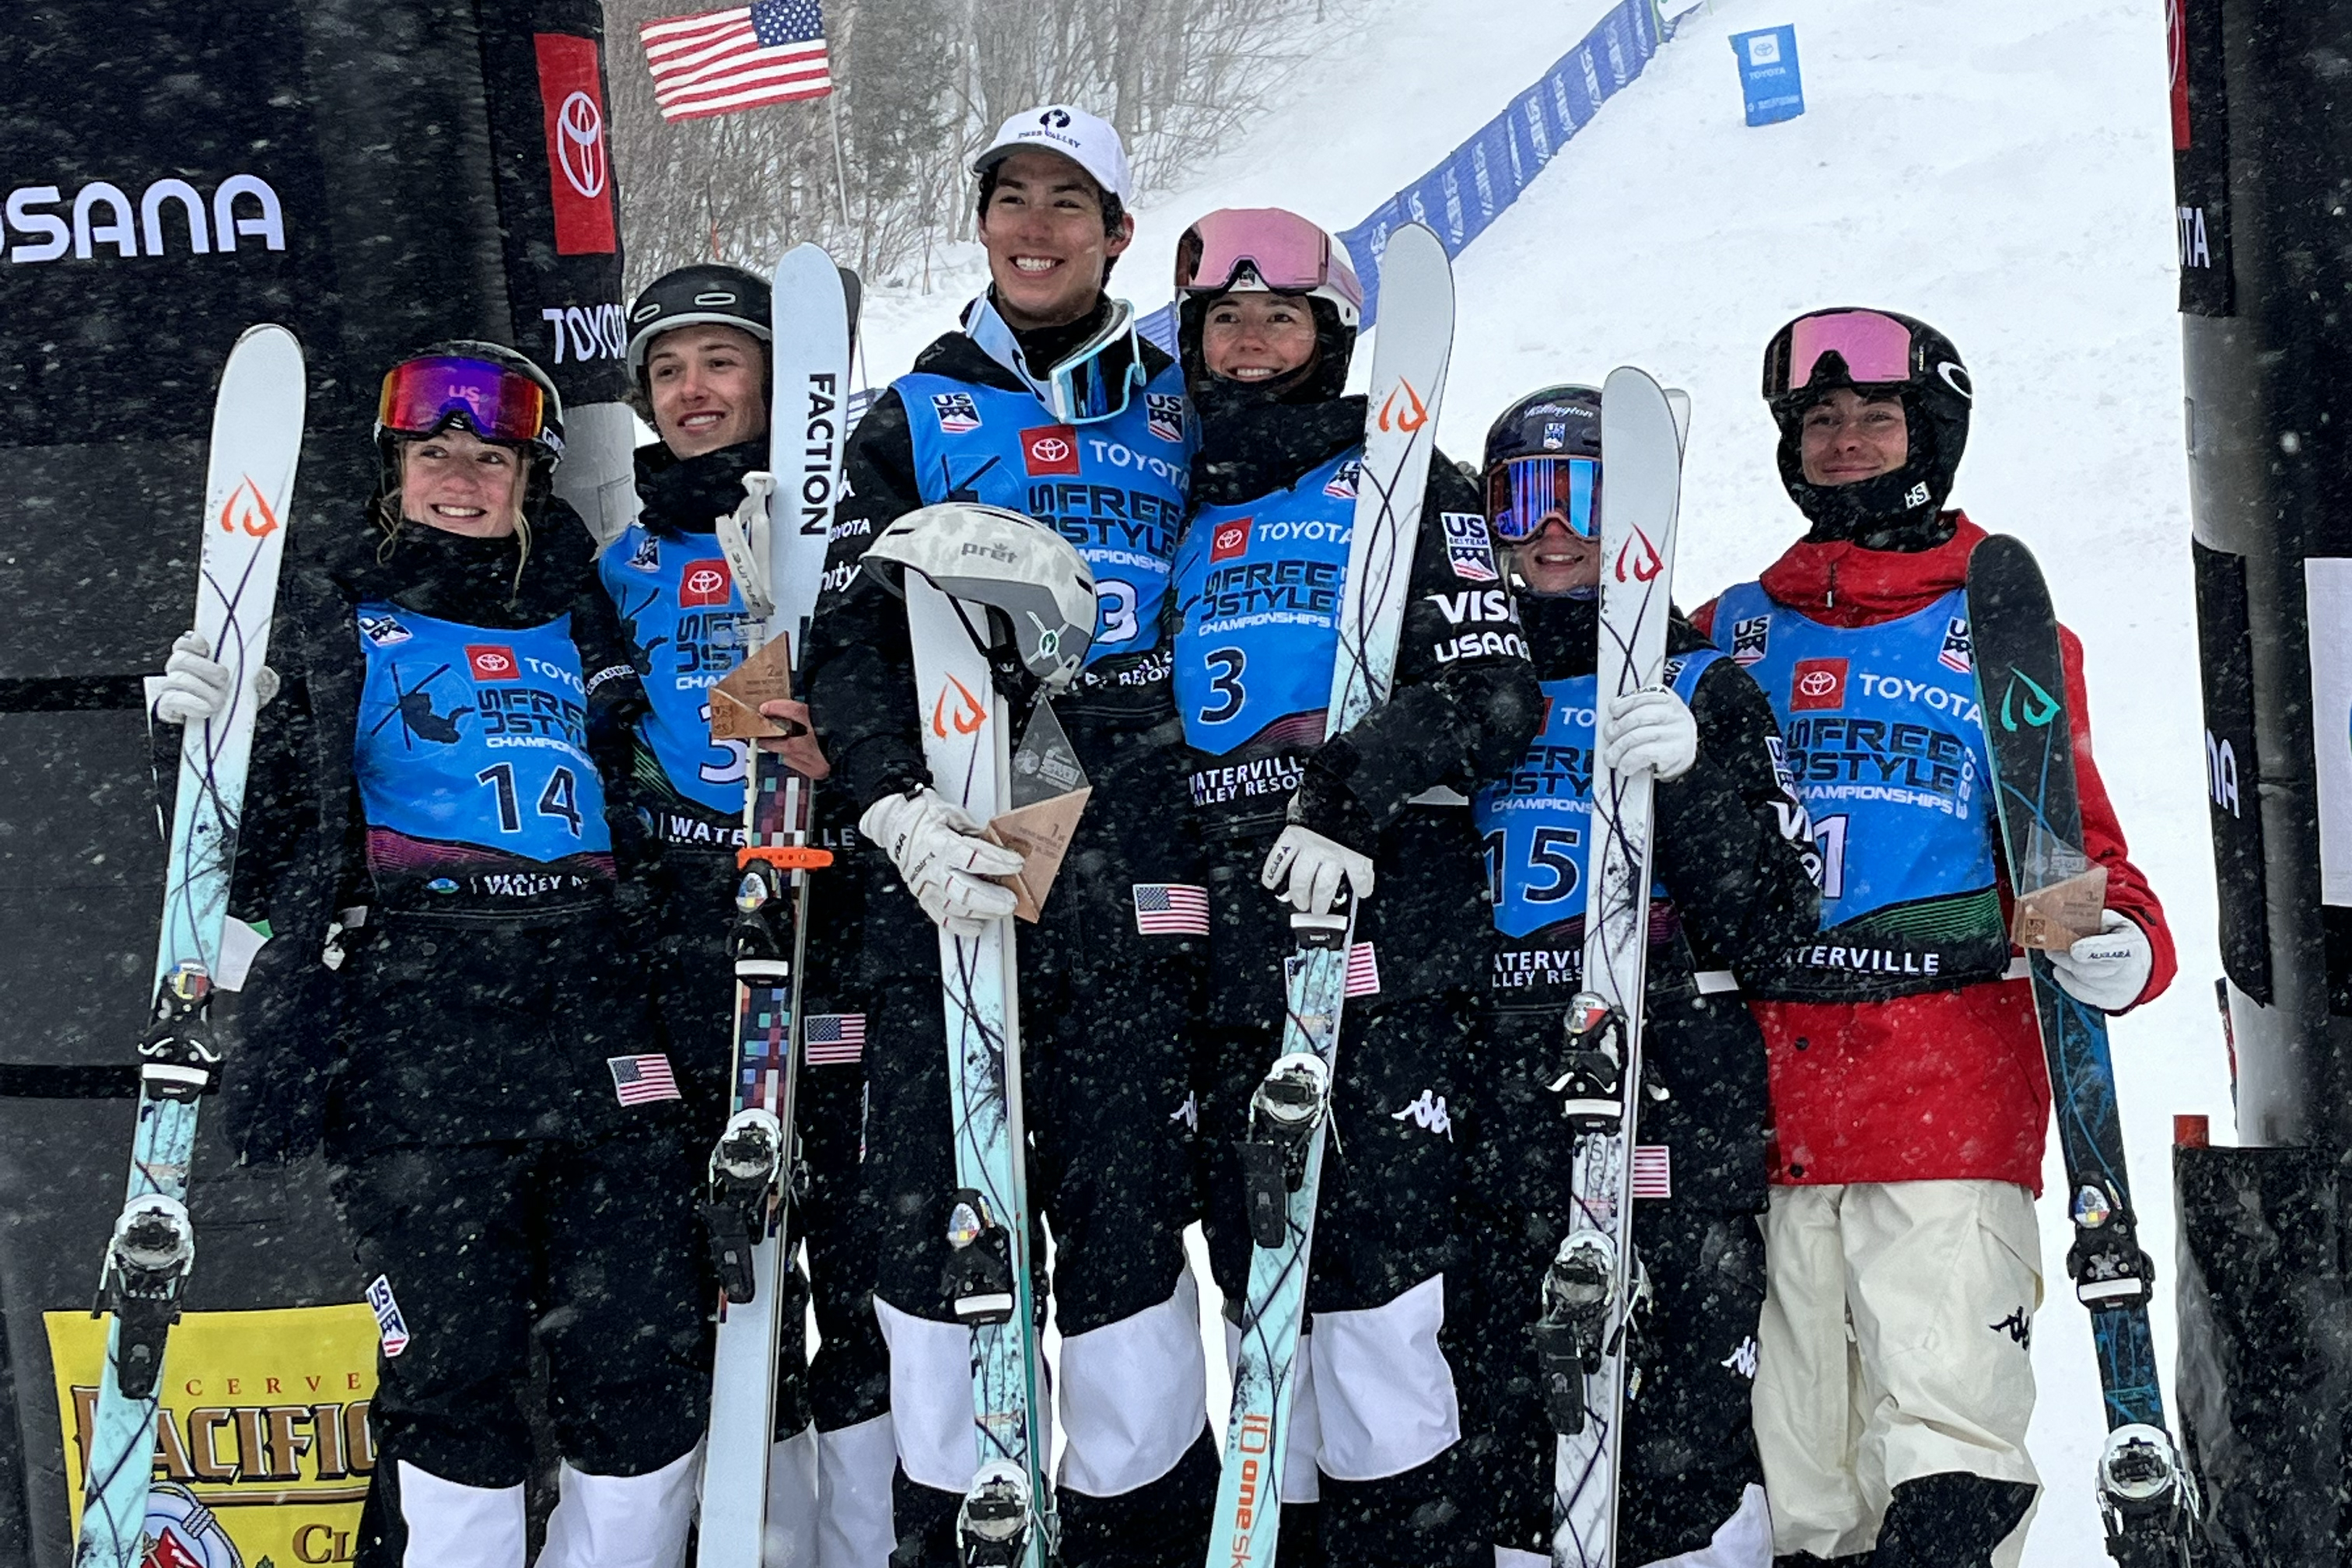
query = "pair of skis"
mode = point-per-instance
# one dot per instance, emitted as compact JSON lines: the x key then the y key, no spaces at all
{"x":1290,"y":1110}
{"x":2148,"y":1500}
{"x":776,"y":553}
{"x":256,"y":442}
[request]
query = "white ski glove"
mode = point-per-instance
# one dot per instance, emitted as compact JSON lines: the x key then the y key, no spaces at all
{"x":935,"y":845}
{"x":1653,"y":729}
{"x":2108,"y":971}
{"x":194,"y":687}
{"x":1304,"y":868}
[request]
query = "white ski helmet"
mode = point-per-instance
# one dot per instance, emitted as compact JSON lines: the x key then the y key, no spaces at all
{"x":988,"y":555}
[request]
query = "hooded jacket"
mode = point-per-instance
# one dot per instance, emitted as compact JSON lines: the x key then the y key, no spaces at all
{"x":1939,"y":1085}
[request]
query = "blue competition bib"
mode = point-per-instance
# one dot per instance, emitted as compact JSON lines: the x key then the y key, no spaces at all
{"x":1535,"y":825}
{"x":474,"y":740}
{"x":685,"y":621}
{"x":1115,"y":489}
{"x":1258,"y":592}
{"x":1886,"y":748}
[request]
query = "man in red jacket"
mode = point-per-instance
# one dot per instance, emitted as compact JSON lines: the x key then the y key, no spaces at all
{"x":1909,"y":1094}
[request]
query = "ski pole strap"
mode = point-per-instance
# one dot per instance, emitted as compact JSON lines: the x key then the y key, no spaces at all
{"x":785,"y":857}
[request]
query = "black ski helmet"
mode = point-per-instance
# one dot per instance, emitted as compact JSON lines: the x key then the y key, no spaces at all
{"x":546,"y":445}
{"x":1936,"y":394}
{"x":1561,"y":421}
{"x":706,"y":292}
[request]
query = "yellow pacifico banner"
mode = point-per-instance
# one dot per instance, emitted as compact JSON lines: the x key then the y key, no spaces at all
{"x":262,"y":1454}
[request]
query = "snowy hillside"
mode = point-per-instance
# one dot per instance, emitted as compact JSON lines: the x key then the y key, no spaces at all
{"x":2001,"y":174}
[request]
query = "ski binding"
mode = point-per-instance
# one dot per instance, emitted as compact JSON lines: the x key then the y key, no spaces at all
{"x":147,"y":1264}
{"x":979,"y":1263}
{"x":1288,"y":1105}
{"x":992,"y":1525}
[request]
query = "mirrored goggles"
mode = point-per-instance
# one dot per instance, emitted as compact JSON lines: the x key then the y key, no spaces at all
{"x":1875,"y":348}
{"x":497,"y":404}
{"x":1524,"y":493}
{"x":1286,"y":254}
{"x":1100,"y":378}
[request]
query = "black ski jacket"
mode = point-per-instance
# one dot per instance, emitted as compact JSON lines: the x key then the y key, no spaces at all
{"x":1450,"y":723}
{"x":301,"y":863}
{"x":1734,"y":854}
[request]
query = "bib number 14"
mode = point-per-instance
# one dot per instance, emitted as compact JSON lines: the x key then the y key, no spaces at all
{"x":560,"y":799}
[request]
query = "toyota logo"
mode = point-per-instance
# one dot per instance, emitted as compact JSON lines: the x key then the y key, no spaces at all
{"x":704,"y":580}
{"x":1817,"y":683}
{"x":493,"y":662}
{"x":1050,"y":449}
{"x":580,"y":149}
{"x":1231,"y":538}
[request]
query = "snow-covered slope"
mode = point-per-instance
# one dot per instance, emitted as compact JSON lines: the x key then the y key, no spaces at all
{"x":2000,"y":168}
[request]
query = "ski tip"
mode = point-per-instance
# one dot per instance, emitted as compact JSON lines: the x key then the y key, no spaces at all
{"x":1678,"y":404}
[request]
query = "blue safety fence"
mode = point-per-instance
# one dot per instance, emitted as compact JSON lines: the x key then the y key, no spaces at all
{"x":1472,"y":184}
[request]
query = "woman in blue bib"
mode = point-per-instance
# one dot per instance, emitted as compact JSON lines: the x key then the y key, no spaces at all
{"x":1267,"y":325}
{"x":1735,"y":871}
{"x":447,"y":1002}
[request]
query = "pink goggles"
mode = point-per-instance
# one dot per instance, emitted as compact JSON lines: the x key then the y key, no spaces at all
{"x":1875,"y":348}
{"x":1284,"y":252}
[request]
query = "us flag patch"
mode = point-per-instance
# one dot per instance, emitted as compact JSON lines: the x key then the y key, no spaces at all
{"x":1653,"y":1171}
{"x":1164,"y":414}
{"x":1467,"y":549}
{"x":640,"y":1080}
{"x":1958,"y":653}
{"x":1363,"y":970}
{"x":390,"y":1327}
{"x":1171,"y":909}
{"x":834,"y":1039}
{"x":957,"y":414}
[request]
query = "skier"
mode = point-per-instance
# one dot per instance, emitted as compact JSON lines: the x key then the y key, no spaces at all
{"x":1909,"y":1094}
{"x":1268,"y":309}
{"x":1045,"y":402}
{"x":698,"y":353}
{"x":1733,"y":864}
{"x":447,"y":1001}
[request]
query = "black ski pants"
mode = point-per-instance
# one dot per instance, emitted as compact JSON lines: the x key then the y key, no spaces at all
{"x":1107,"y":1015}
{"x":1690,"y":1452}
{"x":848,"y":1382}
{"x":1390,"y":1300}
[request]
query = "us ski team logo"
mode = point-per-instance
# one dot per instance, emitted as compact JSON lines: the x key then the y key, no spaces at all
{"x":956,"y":412}
{"x":646,"y":556}
{"x":1958,"y":653}
{"x":382,"y":631}
{"x":1341,"y":485}
{"x":1749,"y":638}
{"x":1467,"y":549}
{"x":389,"y":1323}
{"x":1163,"y":413}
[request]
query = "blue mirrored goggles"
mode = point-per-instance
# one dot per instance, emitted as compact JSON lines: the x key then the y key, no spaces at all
{"x":1102,"y":376}
{"x":1524,"y":493}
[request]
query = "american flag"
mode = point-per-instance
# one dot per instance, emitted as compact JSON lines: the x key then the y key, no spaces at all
{"x":769,"y":51}
{"x":1171,"y":909}
{"x":834,"y":1039}
{"x":1653,"y":1171}
{"x":1363,"y":970}
{"x":639,"y":1080}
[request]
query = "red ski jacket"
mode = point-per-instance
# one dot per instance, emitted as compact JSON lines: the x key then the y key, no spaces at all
{"x":1946,"y":1084}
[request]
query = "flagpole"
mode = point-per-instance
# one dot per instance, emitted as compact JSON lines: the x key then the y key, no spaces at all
{"x":840,"y":169}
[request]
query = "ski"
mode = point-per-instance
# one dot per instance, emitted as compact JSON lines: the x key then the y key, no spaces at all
{"x":2146,"y":1498}
{"x":962,"y":671}
{"x":257,"y":444}
{"x":1595,"y":1285}
{"x":1282,"y":1159}
{"x":775,"y":548}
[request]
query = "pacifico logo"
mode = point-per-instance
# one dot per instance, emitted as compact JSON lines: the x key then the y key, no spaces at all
{"x":103,"y":217}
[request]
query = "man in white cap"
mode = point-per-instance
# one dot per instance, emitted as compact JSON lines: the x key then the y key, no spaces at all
{"x":1046,"y":402}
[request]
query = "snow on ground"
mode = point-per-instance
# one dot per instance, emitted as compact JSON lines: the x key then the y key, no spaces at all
{"x":1990,"y":167}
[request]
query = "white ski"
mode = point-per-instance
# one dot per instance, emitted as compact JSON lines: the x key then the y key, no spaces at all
{"x":1595,"y":1282}
{"x":777,"y":557}
{"x":1283,"y":1159}
{"x":256,"y":443}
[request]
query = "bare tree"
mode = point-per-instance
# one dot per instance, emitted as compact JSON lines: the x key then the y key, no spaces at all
{"x":919,"y":86}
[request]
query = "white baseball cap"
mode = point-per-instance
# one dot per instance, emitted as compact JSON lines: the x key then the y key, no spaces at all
{"x":1087,"y":140}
